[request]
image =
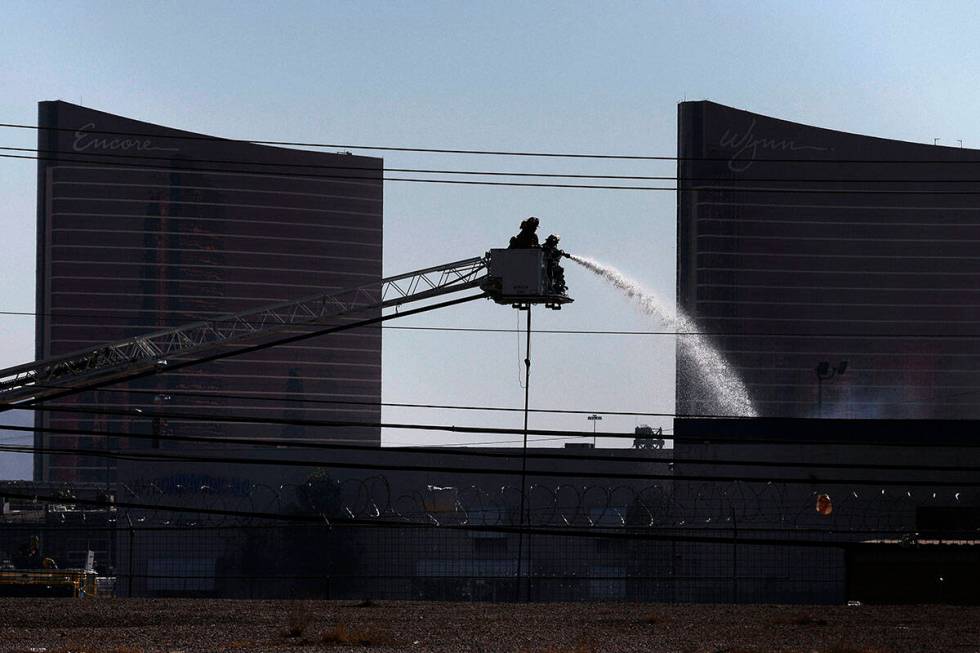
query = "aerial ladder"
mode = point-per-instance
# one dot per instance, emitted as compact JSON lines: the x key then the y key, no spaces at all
{"x":516,"y":276}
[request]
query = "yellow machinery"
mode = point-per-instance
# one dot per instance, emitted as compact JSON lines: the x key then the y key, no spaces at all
{"x":77,"y":583}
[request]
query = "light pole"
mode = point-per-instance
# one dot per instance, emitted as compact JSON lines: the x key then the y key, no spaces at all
{"x":158,"y":424}
{"x":594,"y":418}
{"x":825,"y":372}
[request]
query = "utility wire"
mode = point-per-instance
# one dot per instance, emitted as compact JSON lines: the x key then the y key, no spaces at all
{"x":282,"y":421}
{"x":401,"y":466}
{"x":333,"y":444}
{"x":394,"y":466}
{"x":201,"y":137}
{"x":598,"y":332}
{"x":461,"y":182}
{"x":459,"y":452}
{"x":176,"y":415}
{"x":683,"y":188}
{"x":430,"y":150}
{"x":477,"y":446}
{"x":623,"y":532}
{"x":708,"y":436}
{"x":291,"y":399}
{"x":143,"y":158}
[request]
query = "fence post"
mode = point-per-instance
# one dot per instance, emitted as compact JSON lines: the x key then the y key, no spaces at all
{"x":734,"y":556}
{"x":132,"y":548}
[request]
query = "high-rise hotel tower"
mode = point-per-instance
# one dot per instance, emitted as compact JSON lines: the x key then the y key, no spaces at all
{"x":142,"y":227}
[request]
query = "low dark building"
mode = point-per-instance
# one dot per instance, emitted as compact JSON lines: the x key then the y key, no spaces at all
{"x":846,"y":490}
{"x":394,"y":532}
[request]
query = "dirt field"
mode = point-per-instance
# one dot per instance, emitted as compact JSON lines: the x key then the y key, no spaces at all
{"x":190,"y":626}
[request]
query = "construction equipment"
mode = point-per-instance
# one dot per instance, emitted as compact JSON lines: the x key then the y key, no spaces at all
{"x":77,"y":583}
{"x":30,"y":573}
{"x":516,"y":277}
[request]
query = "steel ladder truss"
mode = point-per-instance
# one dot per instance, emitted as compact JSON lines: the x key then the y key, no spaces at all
{"x":125,"y":358}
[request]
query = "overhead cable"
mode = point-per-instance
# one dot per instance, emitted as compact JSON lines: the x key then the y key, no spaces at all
{"x":707,"y":437}
{"x":684,"y":188}
{"x":350,"y":402}
{"x":420,"y":180}
{"x":471,"y":453}
{"x":145,"y":158}
{"x":442,"y":150}
{"x":600,"y":332}
{"x":401,"y":466}
{"x":625,"y":533}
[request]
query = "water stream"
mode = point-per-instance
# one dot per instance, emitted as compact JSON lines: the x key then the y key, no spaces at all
{"x":729,"y":396}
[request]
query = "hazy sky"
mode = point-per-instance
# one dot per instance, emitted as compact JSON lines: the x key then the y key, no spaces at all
{"x":580,"y":77}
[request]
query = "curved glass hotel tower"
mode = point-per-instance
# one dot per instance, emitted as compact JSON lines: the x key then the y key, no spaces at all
{"x":799,"y":245}
{"x":142,"y":227}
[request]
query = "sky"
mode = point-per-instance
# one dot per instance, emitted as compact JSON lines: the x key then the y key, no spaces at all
{"x":567,"y":77}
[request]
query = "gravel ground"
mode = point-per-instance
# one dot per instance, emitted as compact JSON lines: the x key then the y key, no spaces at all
{"x":193,"y":625}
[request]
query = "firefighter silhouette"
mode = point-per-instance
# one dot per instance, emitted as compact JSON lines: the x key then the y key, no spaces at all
{"x":552,"y":259}
{"x":526,"y":239}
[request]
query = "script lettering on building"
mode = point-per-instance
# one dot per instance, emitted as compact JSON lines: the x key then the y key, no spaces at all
{"x":747,"y":145}
{"x":85,"y":141}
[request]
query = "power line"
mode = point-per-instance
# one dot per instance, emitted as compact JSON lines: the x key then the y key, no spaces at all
{"x":468,"y":450}
{"x":200,"y":137}
{"x":401,"y":466}
{"x":315,"y":166}
{"x":613,"y":332}
{"x":461,"y":182}
{"x":461,"y":452}
{"x":624,"y":532}
{"x":304,"y":400}
{"x":470,"y":444}
{"x":599,"y":332}
{"x":142,"y":456}
{"x":681,"y":188}
{"x":348,"y":424}
{"x":139,"y":414}
{"x":280,"y":421}
{"x":306,"y":166}
{"x":144,"y":158}
{"x":431,"y":150}
{"x":702,"y":438}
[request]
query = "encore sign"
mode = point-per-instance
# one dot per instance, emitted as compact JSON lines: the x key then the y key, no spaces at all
{"x":86,"y":141}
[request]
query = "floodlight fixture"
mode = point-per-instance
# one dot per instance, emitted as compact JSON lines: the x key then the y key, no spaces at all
{"x":594,"y":419}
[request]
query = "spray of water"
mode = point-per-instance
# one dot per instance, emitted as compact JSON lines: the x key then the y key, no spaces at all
{"x":729,"y":394}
